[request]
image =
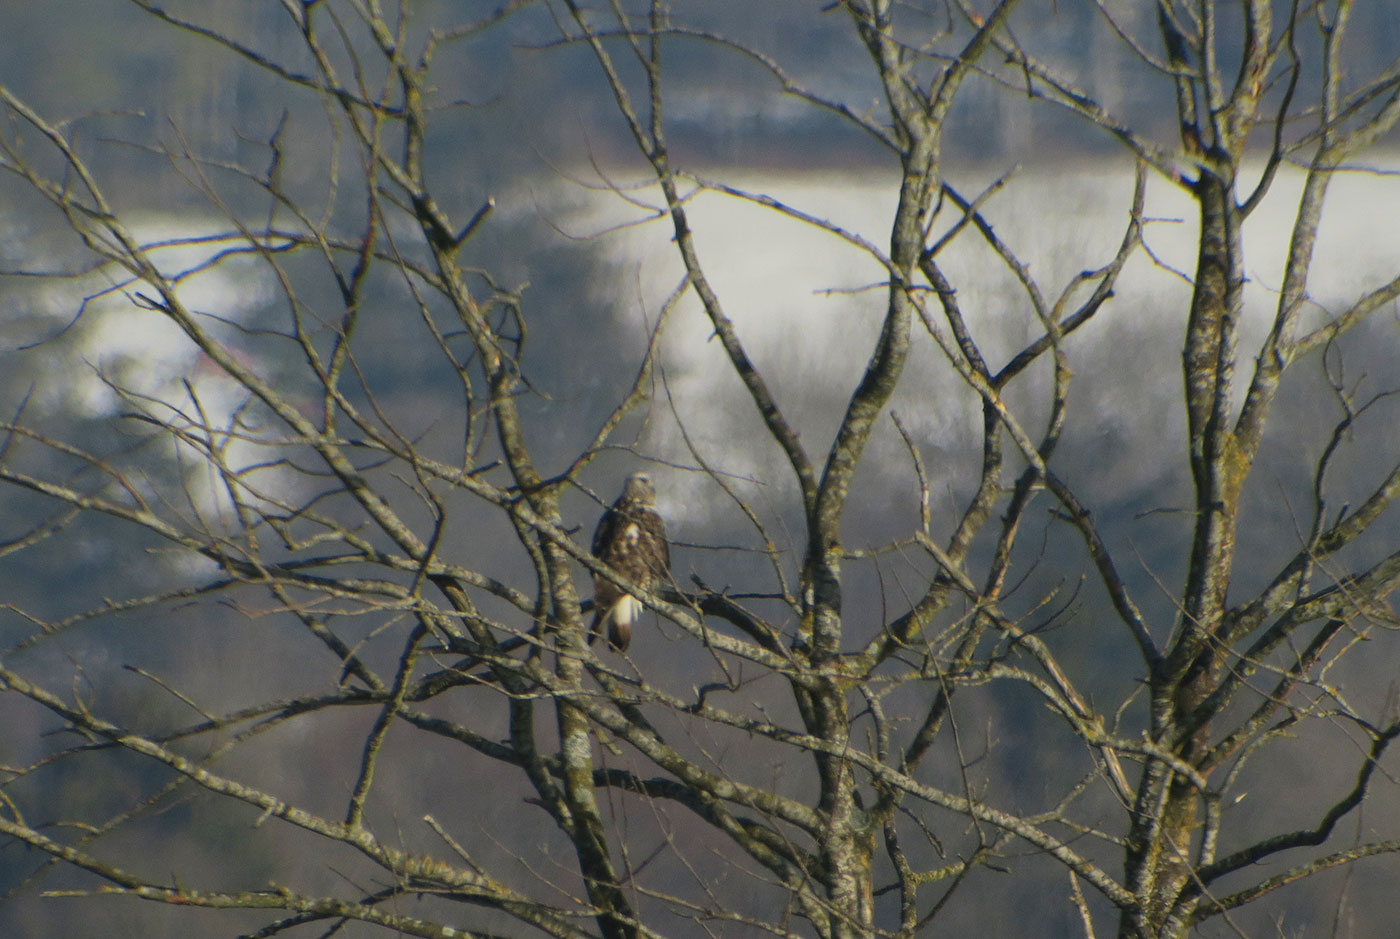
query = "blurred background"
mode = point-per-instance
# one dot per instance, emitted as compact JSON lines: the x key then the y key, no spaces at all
{"x":529,"y":123}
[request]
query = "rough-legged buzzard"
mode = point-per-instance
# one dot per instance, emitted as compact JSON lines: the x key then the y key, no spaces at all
{"x":631,"y":539}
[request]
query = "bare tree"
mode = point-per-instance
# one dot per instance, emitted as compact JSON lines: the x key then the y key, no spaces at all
{"x":422,"y":737}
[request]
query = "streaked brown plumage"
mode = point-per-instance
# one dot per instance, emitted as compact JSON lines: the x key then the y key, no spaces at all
{"x":631,"y":539}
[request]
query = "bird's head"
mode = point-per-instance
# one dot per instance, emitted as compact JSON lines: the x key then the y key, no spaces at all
{"x":638,"y":488}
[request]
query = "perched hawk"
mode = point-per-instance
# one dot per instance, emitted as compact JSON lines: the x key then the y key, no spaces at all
{"x":631,"y":539}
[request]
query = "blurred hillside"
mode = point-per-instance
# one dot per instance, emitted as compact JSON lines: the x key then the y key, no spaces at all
{"x":128,"y":77}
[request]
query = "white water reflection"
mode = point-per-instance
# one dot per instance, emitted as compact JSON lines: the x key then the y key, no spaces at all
{"x":102,"y":355}
{"x":807,"y":306}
